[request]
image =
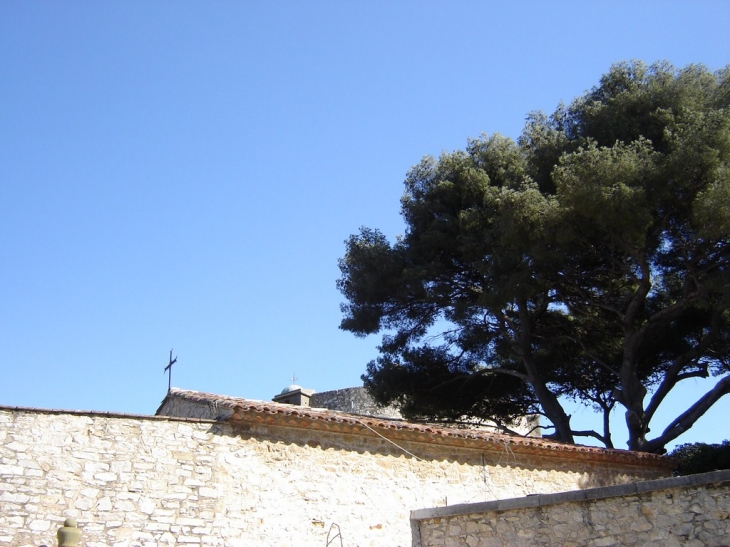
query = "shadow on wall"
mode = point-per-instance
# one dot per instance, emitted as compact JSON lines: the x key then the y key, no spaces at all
{"x":364,"y":442}
{"x":599,"y":480}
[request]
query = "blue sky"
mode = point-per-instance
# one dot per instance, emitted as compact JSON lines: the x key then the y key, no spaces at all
{"x":183,"y":174}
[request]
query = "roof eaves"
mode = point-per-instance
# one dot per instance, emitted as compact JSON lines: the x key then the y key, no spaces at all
{"x":527,"y":444}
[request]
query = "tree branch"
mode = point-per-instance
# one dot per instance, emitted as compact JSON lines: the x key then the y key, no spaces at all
{"x":673,"y":374}
{"x":591,"y":433}
{"x":688,"y":418}
{"x":639,"y":297}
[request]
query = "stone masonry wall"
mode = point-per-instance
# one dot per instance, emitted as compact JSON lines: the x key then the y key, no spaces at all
{"x":690,"y":511}
{"x":354,"y":400}
{"x":144,"y":481}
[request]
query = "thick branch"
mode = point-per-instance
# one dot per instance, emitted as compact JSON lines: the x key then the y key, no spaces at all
{"x":548,"y":400}
{"x":595,"y":435}
{"x":509,"y":372}
{"x":667,"y":314}
{"x":482,"y":372}
{"x":687,"y":419}
{"x":637,"y":301}
{"x":673,"y":374}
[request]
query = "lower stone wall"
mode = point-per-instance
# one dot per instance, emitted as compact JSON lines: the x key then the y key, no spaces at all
{"x":689,"y":511}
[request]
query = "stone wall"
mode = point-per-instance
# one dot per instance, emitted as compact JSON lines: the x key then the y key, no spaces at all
{"x":354,"y":400}
{"x":147,"y":480}
{"x":690,"y":511}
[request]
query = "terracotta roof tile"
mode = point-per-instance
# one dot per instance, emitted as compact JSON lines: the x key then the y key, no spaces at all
{"x":536,"y":444}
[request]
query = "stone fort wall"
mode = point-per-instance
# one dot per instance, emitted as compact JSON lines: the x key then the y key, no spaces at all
{"x":354,"y":400}
{"x":688,"y":511}
{"x":146,"y":480}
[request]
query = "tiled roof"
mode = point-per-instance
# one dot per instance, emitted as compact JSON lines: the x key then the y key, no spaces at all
{"x":384,"y":425}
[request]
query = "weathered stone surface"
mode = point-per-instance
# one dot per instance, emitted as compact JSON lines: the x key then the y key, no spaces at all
{"x":137,"y":481}
{"x":664,"y":513}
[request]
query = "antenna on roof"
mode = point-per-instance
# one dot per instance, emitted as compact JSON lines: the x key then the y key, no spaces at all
{"x":168,"y":369}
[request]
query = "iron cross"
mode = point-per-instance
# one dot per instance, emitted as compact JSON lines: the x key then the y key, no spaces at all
{"x":168,"y":369}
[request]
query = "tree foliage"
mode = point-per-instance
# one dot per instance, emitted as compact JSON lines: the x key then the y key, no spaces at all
{"x":588,"y":260}
{"x":701,"y":457}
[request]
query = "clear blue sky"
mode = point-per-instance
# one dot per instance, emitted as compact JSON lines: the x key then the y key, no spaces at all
{"x":183,"y":174}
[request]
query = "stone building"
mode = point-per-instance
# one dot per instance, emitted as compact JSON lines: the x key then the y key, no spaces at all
{"x":352,"y":400}
{"x":294,"y":395}
{"x":213,"y":470}
{"x":356,"y":400}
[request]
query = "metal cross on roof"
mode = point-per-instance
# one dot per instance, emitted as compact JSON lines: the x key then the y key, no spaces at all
{"x":168,"y":369}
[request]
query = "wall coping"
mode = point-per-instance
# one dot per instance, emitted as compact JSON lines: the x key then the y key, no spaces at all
{"x":541,"y":500}
{"x":101,"y":414}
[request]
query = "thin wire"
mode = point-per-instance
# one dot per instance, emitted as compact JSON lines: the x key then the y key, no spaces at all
{"x":391,"y":442}
{"x":487,"y":476}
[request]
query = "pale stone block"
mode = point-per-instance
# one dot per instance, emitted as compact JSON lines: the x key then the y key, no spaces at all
{"x":28,"y":464}
{"x":187,"y":521}
{"x":170,"y":504}
{"x":164,"y":513}
{"x":104,"y":504}
{"x":184,"y":431}
{"x":147,"y":506}
{"x":89,"y":492}
{"x":39,"y":525}
{"x":15,"y":521}
{"x":695,"y":508}
{"x":157,"y":527}
{"x":11,"y":497}
{"x":83,"y":504}
{"x":640,"y":525}
{"x":124,"y":505}
{"x":167,"y":539}
{"x":121,"y":466}
{"x":6,"y":469}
